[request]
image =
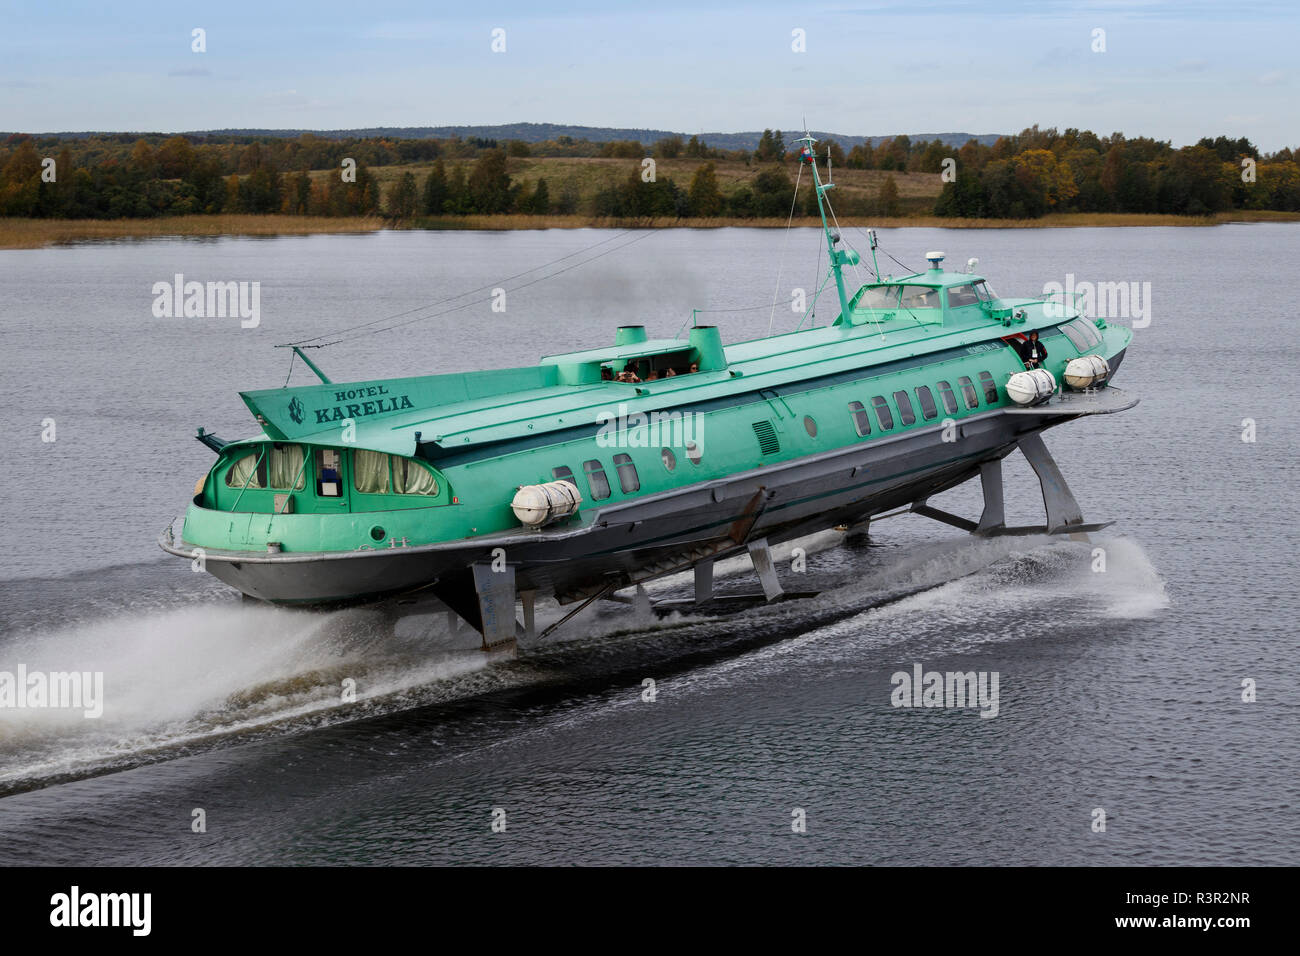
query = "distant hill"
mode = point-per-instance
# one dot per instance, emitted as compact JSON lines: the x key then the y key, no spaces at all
{"x":538,"y":132}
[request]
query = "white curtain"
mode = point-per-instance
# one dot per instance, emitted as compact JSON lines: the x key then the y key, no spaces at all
{"x":243,"y":473}
{"x":370,"y":472}
{"x":286,"y":467}
{"x":412,"y":478}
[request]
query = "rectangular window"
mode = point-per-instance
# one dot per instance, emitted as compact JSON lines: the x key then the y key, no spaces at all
{"x":597,"y":483}
{"x":990,"y":388}
{"x":948,"y":398}
{"x":370,"y":472}
{"x":329,"y":473}
{"x":861,"y":420}
{"x":883,"y":415}
{"x":968,"y":391}
{"x":920,"y":297}
{"x":627,"y":476}
{"x":287,"y":469}
{"x":904,"y":403}
{"x":960,"y":295}
{"x":563,"y":473}
{"x":928,"y":411}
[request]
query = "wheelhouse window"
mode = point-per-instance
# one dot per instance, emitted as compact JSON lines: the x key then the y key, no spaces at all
{"x":370,"y":472}
{"x":249,"y":471}
{"x":597,"y":483}
{"x":628,"y":479}
{"x":904,"y":403}
{"x":990,"y":388}
{"x":920,"y":297}
{"x":960,"y":295}
{"x":329,"y":473}
{"x":879,"y":297}
{"x":861,"y":420}
{"x":968,"y":392}
{"x":985,"y":293}
{"x":948,"y":398}
{"x":287,"y":467}
{"x":928,"y":409}
{"x":1077,"y":338}
{"x":884,"y":417}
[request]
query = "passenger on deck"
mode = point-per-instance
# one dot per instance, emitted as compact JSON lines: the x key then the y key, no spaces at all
{"x":1032,"y":352}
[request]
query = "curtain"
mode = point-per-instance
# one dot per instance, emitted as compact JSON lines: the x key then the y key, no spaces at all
{"x":286,"y":467}
{"x":243,"y":471}
{"x":370,"y":472}
{"x":412,"y":478}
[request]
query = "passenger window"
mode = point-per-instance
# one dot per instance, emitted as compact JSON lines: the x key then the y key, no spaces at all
{"x":990,"y":388}
{"x":287,"y":469}
{"x":926,"y":399}
{"x":597,"y":483}
{"x":329,"y":473}
{"x":861,"y":421}
{"x":412,"y":478}
{"x":968,"y":391}
{"x":246,"y":472}
{"x":883,"y":415}
{"x":563,"y":473}
{"x":627,"y":476}
{"x":904,"y":403}
{"x":948,"y":398}
{"x":370,"y":472}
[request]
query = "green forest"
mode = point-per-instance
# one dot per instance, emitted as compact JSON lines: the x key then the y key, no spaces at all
{"x":1025,"y":176}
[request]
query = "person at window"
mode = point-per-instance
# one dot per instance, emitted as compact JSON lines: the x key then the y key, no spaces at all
{"x":606,"y":373}
{"x":629,"y":374}
{"x":1032,"y":352}
{"x":653,"y":376}
{"x":670,"y":373}
{"x":695,"y":366}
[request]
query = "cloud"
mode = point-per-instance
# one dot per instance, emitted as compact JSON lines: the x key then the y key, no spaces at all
{"x":1272,"y":78}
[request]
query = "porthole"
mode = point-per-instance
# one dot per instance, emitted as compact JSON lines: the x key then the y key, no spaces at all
{"x":810,"y":426}
{"x":378,"y":533}
{"x":693,"y":452}
{"x":669,"y":459}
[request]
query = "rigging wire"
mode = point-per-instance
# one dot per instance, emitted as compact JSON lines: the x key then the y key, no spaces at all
{"x":785,"y":242}
{"x":453,"y":298}
{"x":344,"y":336}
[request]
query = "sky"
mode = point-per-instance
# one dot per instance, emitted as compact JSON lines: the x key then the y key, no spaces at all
{"x":1173,"y":71}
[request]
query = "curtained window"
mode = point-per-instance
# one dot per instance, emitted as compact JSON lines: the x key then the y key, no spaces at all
{"x":243,"y":473}
{"x":412,"y":478}
{"x":370,"y":472}
{"x":287,"y":467}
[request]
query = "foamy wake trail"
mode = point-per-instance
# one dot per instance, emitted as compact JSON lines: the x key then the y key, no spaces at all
{"x":182,"y":676}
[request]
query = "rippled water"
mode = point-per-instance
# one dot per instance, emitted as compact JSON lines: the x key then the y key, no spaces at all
{"x":1119,"y":690}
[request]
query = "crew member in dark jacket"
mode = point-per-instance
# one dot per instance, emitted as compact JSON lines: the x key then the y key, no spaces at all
{"x":1032,"y":352}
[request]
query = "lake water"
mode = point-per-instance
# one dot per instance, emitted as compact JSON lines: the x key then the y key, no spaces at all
{"x":1119,"y":689}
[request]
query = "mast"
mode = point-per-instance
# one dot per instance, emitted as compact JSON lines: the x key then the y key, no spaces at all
{"x":838,"y":258}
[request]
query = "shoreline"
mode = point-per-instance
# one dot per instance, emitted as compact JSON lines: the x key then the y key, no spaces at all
{"x":42,"y":233}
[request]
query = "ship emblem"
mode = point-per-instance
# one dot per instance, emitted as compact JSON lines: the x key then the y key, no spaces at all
{"x":296,"y":411}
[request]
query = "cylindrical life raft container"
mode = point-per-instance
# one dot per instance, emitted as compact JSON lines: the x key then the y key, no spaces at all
{"x":536,"y":505}
{"x":1032,"y":387}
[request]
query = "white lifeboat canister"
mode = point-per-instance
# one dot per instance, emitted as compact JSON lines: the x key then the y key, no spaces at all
{"x":1032,"y":387}
{"x":1086,"y":371}
{"x":536,"y":505}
